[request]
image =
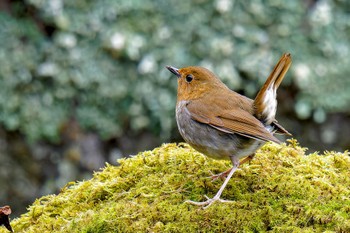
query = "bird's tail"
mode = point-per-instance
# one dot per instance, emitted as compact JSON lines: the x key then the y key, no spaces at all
{"x":265,"y":102}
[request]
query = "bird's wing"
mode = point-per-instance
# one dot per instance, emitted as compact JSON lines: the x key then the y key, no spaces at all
{"x":229,"y":119}
{"x":279,"y":129}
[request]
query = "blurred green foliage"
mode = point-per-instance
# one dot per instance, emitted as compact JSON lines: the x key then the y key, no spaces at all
{"x":102,"y":62}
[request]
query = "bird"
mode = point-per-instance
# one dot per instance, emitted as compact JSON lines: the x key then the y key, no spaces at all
{"x":223,"y":124}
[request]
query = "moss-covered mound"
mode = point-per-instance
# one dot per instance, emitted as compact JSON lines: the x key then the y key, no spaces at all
{"x":281,"y":190}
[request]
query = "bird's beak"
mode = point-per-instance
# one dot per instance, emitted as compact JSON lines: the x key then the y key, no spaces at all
{"x":174,"y":71}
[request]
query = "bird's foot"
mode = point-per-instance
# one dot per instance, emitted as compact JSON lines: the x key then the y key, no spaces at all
{"x":221,"y":175}
{"x":208,"y":202}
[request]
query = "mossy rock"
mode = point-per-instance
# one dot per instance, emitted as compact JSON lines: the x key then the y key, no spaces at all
{"x":281,"y":190}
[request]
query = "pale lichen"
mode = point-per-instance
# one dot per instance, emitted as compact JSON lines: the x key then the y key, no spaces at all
{"x":281,"y":190}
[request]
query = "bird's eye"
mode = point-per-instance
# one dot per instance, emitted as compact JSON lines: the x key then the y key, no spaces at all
{"x":189,"y":78}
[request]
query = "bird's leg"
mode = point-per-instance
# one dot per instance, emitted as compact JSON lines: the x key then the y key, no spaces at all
{"x":210,"y":201}
{"x":225,"y":173}
{"x":246,"y":159}
{"x":221,"y":175}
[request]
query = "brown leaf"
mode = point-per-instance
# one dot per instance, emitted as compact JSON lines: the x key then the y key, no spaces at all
{"x":5,"y":211}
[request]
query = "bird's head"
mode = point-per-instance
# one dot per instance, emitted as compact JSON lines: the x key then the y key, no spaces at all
{"x":195,"y":82}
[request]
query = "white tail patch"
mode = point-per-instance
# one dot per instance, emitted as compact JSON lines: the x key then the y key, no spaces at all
{"x":270,"y":104}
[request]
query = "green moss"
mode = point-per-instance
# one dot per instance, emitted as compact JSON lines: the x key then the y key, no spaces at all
{"x":281,"y":190}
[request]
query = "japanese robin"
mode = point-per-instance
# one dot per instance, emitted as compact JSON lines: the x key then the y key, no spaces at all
{"x":223,"y":124}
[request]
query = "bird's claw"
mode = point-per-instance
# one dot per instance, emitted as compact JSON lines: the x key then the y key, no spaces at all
{"x":208,"y":202}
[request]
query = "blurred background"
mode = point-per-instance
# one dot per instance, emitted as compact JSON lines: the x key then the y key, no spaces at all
{"x":83,"y":82}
